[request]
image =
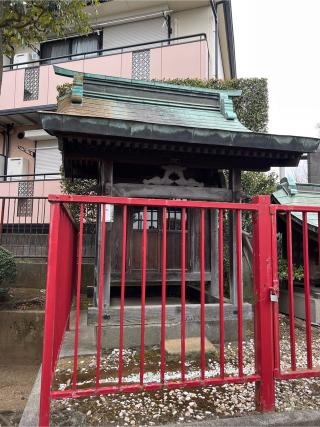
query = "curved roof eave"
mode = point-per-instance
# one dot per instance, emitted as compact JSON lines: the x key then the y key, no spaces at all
{"x":57,"y":123}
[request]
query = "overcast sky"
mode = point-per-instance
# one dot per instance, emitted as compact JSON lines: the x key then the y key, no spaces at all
{"x":280,"y":40}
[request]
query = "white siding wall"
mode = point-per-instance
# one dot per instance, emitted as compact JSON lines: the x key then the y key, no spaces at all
{"x":196,"y":21}
{"x":134,"y":33}
{"x":184,"y":23}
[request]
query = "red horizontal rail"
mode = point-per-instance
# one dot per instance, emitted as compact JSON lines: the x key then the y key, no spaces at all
{"x":293,"y":208}
{"x":298,"y":373}
{"x":111,"y":200}
{"x":131,"y":388}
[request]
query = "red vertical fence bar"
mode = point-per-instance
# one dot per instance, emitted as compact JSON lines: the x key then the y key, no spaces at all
{"x":183,"y":292}
{"x":143,"y":292}
{"x":60,"y":282}
{"x":78,"y":294}
{"x":307,"y":288}
{"x":239,"y":291}
{"x":221,"y":292}
{"x":123,"y":283}
{"x":274,"y":291}
{"x":163,"y":293}
{"x":49,"y":324}
{"x":290,"y":292}
{"x":262,"y":278}
{"x":100,"y":290}
{"x":202,"y":293}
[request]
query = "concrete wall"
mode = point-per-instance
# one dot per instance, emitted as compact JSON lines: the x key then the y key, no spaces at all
{"x":32,"y":273}
{"x":21,"y":335}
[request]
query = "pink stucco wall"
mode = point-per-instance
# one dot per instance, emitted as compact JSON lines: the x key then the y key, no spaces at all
{"x":167,"y":62}
{"x":42,"y":188}
{"x":40,"y":208}
{"x":189,"y":60}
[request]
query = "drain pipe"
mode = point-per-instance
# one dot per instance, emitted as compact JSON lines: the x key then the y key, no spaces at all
{"x":215,"y":15}
{"x":216,"y":37}
{"x":6,"y":134}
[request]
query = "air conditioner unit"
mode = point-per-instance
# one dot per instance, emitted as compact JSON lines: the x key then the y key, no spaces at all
{"x":21,"y":58}
{"x":17,"y":166}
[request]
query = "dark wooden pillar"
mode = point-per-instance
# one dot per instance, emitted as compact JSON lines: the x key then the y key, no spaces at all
{"x":194,"y":230}
{"x":235,"y":187}
{"x":106,"y":182}
{"x":214,"y":255}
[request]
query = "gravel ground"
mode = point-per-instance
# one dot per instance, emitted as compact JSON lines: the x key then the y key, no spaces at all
{"x":15,"y":385}
{"x":180,"y":406}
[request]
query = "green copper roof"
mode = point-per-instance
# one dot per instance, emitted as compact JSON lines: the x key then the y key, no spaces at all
{"x":147,"y":83}
{"x":291,"y":193}
{"x":163,"y":117}
{"x":151,"y":102}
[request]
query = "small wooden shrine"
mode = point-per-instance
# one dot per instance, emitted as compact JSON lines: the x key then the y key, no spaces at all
{"x":158,"y":140}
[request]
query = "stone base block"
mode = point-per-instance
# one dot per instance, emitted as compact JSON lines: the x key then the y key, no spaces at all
{"x":299,"y":305}
{"x":132,"y":329}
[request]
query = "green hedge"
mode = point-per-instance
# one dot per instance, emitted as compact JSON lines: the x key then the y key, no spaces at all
{"x":251,"y":107}
{"x":8,"y":269}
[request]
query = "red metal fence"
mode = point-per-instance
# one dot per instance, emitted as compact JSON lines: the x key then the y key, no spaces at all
{"x":63,"y":280}
{"x":301,"y":229}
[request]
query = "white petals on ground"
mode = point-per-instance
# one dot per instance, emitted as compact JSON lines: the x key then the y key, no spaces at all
{"x":182,"y":405}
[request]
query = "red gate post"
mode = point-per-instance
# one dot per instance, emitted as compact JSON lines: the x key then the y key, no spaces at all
{"x":263,"y":318}
{"x":48,"y":335}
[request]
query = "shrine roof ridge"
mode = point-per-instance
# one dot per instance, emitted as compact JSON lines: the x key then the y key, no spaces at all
{"x":89,"y":77}
{"x":126,"y":91}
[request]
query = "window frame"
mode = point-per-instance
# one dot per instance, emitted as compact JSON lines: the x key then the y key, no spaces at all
{"x":70,"y":41}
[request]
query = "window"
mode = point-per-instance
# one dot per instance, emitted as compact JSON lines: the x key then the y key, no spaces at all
{"x":152,"y":219}
{"x":48,"y":158}
{"x":70,"y":46}
{"x":174,"y":219}
{"x":131,"y":33}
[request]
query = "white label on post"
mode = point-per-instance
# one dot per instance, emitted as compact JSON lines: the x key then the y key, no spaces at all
{"x":109,"y":210}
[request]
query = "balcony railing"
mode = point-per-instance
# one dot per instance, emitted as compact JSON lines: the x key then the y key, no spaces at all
{"x":26,"y":186}
{"x":180,"y":57}
{"x":25,"y":215}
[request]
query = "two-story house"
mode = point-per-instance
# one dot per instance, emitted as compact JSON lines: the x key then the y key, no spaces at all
{"x":134,"y":39}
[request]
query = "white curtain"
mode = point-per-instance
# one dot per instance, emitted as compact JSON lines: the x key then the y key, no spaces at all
{"x":83,"y":45}
{"x":56,"y":48}
{"x":69,"y":46}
